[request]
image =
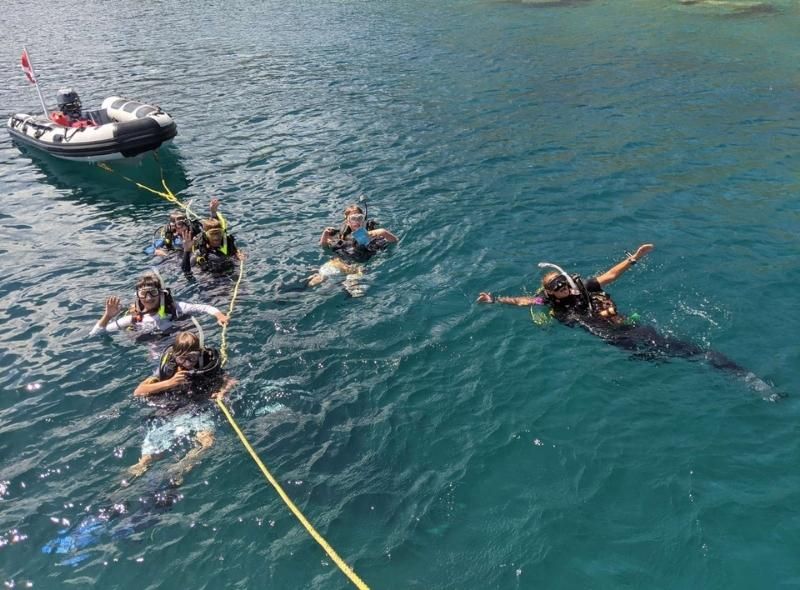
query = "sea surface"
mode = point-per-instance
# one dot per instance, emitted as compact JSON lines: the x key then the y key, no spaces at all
{"x":435,"y":443}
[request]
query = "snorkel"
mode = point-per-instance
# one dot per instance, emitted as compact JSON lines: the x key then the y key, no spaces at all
{"x":363,"y":199}
{"x":162,"y":308}
{"x":201,"y":340}
{"x":573,"y":287}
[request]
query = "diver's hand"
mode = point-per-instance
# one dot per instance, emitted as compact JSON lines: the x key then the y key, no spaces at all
{"x":178,"y":379}
{"x":186,"y":237}
{"x":112,"y":307}
{"x":160,"y":252}
{"x":485,"y":298}
{"x":240,"y":255}
{"x":643,"y":250}
{"x":214,"y":207}
{"x":226,"y":387}
{"x":222,"y":319}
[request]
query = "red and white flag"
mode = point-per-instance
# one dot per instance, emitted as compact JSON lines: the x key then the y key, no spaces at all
{"x":26,"y":66}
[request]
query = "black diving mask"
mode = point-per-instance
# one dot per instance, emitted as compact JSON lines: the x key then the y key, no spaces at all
{"x":144,"y":292}
{"x":557,"y":284}
{"x":188,"y":359}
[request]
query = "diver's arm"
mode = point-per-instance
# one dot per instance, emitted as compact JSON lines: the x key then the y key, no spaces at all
{"x":613,"y":273}
{"x":196,"y":308}
{"x":383,"y":233}
{"x":327,"y":235}
{"x":226,"y":387}
{"x":152,"y":385}
{"x":112,"y":309}
{"x":522,"y":300}
{"x":186,"y":237}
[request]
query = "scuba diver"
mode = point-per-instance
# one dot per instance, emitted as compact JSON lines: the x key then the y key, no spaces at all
{"x":358,"y":240}
{"x":167,"y":238}
{"x":213,"y":249}
{"x":69,"y":112}
{"x":576,"y":302}
{"x":154,"y":309}
{"x":189,"y":375}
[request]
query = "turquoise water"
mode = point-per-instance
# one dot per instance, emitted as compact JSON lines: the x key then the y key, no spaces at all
{"x":434,"y":442}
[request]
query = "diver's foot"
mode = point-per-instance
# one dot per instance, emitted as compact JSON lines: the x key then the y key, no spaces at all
{"x":353,"y":288}
{"x":175,"y":480}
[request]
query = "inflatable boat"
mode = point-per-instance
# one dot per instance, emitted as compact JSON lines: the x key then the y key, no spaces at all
{"x":120,"y":128}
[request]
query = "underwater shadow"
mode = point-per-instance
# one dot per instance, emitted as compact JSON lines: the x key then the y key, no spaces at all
{"x":89,"y":184}
{"x":548,"y":3}
{"x":733,"y":9}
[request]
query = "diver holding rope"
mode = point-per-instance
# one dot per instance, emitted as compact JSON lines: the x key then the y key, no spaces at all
{"x":577,"y":302}
{"x":153,"y":311}
{"x":188,"y":376}
{"x":213,"y":249}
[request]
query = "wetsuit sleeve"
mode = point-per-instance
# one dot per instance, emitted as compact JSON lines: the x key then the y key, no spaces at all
{"x":232,"y":250}
{"x":186,"y":263}
{"x":190,"y":309}
{"x":113,"y":325}
{"x":593,"y":285}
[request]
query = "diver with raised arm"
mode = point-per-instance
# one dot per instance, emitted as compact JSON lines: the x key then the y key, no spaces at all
{"x":577,"y":302}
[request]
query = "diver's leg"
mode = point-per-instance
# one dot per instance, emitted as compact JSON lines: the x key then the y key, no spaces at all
{"x":315,"y":279}
{"x":650,"y":344}
{"x":205,"y":439}
{"x":141,"y":466}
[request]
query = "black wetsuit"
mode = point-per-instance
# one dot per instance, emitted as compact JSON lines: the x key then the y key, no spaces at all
{"x":194,"y":396}
{"x":349,"y":250}
{"x":210,"y":259}
{"x":644,"y":341}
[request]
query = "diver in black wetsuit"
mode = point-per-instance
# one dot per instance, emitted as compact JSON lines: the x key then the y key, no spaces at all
{"x":188,"y":376}
{"x":576,"y":302}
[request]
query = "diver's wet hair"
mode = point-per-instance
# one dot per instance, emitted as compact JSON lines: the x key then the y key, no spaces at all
{"x":185,"y":342}
{"x":149,"y":279}
{"x":548,"y":278}
{"x":211,"y":224}
{"x":351,"y":209}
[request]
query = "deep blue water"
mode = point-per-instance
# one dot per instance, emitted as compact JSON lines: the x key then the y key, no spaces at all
{"x":434,"y":442}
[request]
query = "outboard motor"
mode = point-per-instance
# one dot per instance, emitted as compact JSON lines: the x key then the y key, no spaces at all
{"x":69,"y":103}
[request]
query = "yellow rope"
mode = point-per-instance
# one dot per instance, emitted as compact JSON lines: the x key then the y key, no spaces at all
{"x":168,"y":195}
{"x":223,"y":349}
{"x":346,"y":569}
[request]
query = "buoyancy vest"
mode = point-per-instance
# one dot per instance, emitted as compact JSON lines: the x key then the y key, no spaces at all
{"x":349,"y":249}
{"x":594,"y":304}
{"x":209,"y":258}
{"x":208,"y":365}
{"x":201,"y":384}
{"x":169,"y":237}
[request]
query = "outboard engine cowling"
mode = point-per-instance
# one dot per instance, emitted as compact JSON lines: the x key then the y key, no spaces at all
{"x":69,"y":102}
